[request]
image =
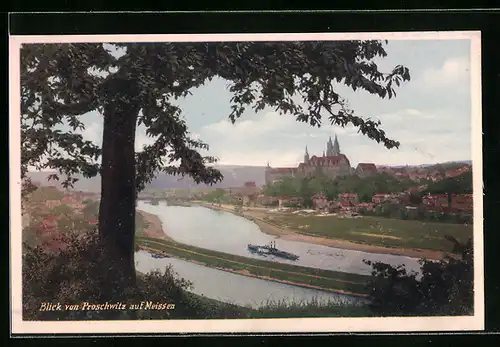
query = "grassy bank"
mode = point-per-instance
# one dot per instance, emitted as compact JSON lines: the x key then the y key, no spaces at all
{"x":286,"y":273}
{"x":215,"y":309}
{"x":376,"y":230}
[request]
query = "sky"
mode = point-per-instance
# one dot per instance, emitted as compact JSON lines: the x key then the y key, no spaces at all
{"x":430,"y":116}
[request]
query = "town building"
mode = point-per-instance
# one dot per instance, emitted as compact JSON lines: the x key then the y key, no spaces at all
{"x":332,"y":163}
{"x":365,"y":169}
{"x":247,"y":193}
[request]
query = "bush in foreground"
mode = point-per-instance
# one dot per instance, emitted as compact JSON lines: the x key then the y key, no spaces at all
{"x":80,"y":271}
{"x":445,"y":288}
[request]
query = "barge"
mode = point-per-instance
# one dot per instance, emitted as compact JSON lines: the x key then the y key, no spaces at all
{"x":271,"y":250}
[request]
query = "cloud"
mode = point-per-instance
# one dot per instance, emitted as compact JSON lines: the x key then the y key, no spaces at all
{"x":259,"y":125}
{"x":430,"y":116}
{"x":453,"y":72}
{"x":426,"y":136}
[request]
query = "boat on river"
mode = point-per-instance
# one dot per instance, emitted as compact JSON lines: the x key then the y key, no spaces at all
{"x":158,"y":256}
{"x":271,"y":250}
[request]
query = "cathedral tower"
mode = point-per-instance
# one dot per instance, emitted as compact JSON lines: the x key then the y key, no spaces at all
{"x":329,"y":147}
{"x":332,"y":148}
{"x":306,"y":156}
{"x":336,"y":147}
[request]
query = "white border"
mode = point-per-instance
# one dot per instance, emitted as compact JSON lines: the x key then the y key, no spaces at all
{"x":290,"y":325}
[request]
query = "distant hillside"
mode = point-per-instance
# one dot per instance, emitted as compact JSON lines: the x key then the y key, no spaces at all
{"x":234,"y":176}
{"x":464,"y":162}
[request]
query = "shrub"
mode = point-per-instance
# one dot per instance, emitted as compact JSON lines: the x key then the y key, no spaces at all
{"x":445,"y":287}
{"x":82,"y":271}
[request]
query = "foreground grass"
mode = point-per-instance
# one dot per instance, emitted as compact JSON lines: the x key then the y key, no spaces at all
{"x":377,"y":230}
{"x":323,"y":279}
{"x":214,"y":309}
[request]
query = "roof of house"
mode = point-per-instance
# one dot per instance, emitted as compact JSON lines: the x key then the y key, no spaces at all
{"x":367,"y":167}
{"x":328,"y":160}
{"x":348,"y":195}
{"x":345,"y":203}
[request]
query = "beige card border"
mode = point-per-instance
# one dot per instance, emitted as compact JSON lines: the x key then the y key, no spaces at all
{"x":289,"y":325}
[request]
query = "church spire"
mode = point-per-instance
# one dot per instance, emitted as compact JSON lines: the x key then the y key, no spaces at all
{"x":336,"y":147}
{"x":306,"y":156}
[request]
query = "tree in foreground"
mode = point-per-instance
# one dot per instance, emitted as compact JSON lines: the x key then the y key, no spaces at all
{"x":61,"y":82}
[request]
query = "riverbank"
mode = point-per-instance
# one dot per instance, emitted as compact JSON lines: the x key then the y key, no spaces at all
{"x":154,"y":240}
{"x":257,"y":215}
{"x":155,"y":227}
{"x":326,"y":280}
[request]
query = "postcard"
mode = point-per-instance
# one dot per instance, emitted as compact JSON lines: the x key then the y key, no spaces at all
{"x":246,"y":183}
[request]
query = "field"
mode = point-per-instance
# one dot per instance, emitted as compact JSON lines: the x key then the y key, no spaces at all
{"x":377,"y":230}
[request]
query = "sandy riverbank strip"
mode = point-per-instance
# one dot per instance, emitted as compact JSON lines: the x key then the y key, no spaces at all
{"x":258,"y":214}
{"x":155,"y":227}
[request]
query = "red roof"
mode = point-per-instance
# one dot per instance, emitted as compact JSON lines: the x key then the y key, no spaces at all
{"x":47,"y":225}
{"x":328,"y":160}
{"x":433,"y":197}
{"x":368,"y":167}
{"x":92,"y":221}
{"x":348,"y":195}
{"x":345,"y":203}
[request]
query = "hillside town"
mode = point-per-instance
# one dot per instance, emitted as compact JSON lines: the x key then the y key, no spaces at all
{"x":52,"y":206}
{"x":333,"y":164}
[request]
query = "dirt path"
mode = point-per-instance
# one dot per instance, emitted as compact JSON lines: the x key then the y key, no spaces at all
{"x":258,"y":214}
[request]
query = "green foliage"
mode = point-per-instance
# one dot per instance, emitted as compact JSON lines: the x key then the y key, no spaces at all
{"x":445,"y":288}
{"x":307,"y":187}
{"x":461,"y":184}
{"x":313,"y":308}
{"x":91,"y":210}
{"x":62,"y":81}
{"x":77,"y":274}
{"x":217,"y":196}
{"x":63,"y":210}
{"x":373,"y":230}
{"x":81,"y":272}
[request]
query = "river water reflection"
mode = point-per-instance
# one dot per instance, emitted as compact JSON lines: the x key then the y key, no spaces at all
{"x":225,"y":232}
{"x":238,"y":289}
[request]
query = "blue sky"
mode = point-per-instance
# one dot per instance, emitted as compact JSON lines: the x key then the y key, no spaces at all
{"x":431,"y":116}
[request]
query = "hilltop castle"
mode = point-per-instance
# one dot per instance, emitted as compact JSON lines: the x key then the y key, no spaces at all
{"x":332,"y":164}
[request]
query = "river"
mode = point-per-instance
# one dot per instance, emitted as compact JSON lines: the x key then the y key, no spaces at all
{"x":238,"y":289}
{"x":225,"y":232}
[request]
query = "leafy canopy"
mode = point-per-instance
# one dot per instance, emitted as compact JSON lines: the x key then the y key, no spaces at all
{"x":61,"y":82}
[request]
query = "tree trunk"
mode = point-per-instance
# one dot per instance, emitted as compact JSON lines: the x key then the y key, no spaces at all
{"x":118,"y":189}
